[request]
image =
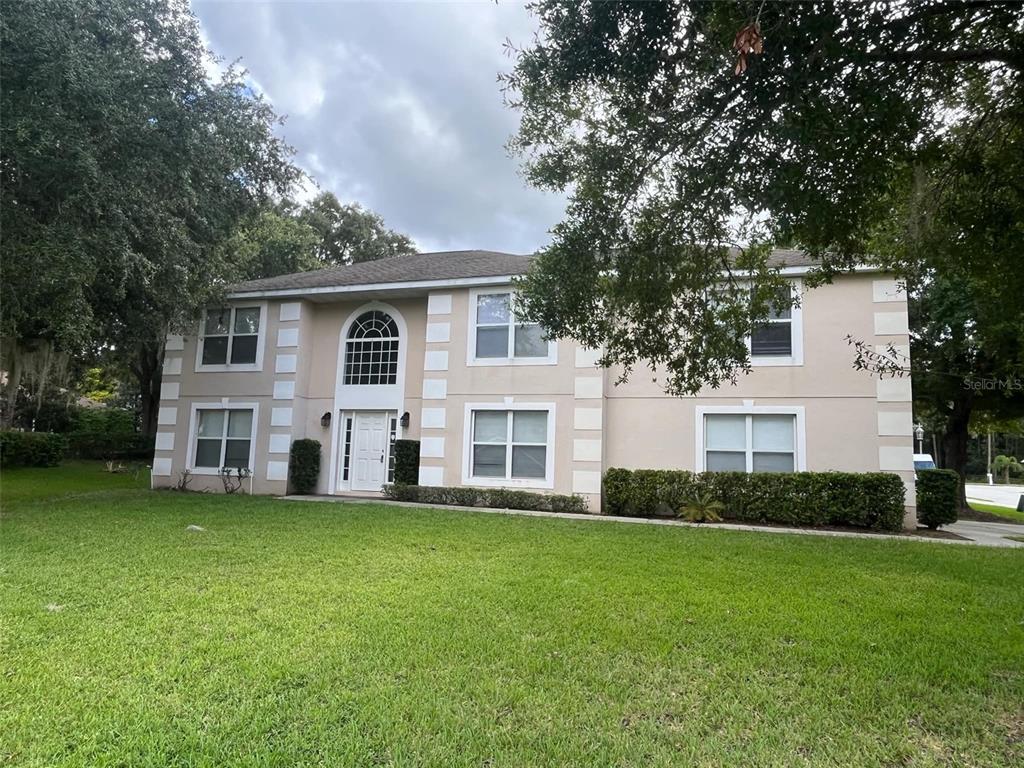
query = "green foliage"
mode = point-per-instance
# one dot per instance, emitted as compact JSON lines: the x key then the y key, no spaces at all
{"x":107,"y":433}
{"x":1007,"y":465}
{"x":304,"y":465}
{"x":270,"y":242}
{"x":668,"y":156}
{"x":702,"y":508}
{"x":349,"y":234}
{"x":407,"y":462}
{"x":31,"y":449}
{"x":495,"y":498}
{"x":938,"y":499}
{"x":865,"y":500}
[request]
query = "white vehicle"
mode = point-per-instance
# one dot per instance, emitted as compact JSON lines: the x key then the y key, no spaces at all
{"x":923,"y":461}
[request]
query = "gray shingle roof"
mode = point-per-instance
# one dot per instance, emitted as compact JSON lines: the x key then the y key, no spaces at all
{"x":443,"y":265}
{"x":423,"y":267}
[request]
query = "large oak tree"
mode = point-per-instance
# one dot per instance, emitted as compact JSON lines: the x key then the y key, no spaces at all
{"x":693,"y":137}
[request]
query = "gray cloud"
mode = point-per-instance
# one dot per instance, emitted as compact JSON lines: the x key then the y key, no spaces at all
{"x":396,"y":106}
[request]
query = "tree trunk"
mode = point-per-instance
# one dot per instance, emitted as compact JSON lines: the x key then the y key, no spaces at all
{"x":148,"y":369}
{"x":955,"y":439}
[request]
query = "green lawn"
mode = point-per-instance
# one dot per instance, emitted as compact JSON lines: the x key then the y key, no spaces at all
{"x":1009,"y":514}
{"x":323,"y":634}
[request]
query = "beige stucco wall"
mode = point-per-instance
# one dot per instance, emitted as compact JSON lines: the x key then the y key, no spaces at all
{"x":599,"y":423}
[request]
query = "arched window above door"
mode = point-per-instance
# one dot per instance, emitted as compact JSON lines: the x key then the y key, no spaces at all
{"x":371,"y":350}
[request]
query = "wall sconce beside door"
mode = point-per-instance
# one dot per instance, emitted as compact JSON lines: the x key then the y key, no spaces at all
{"x":404,"y":421}
{"x":325,"y":420}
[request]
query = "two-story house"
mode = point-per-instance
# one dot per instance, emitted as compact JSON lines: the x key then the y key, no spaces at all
{"x":429,"y":347}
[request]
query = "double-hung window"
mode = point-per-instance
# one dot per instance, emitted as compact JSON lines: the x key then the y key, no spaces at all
{"x":778,"y":339}
{"x":750,"y":442}
{"x":499,"y":335}
{"x":511,"y":446}
{"x":223,"y":438}
{"x":230,"y":337}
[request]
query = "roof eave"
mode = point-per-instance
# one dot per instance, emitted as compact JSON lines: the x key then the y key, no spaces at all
{"x":408,"y":285}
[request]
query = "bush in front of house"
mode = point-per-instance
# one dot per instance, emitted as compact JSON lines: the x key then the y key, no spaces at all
{"x":304,"y":465}
{"x":107,"y":433}
{"x":31,"y":449}
{"x":938,"y":497}
{"x":494,"y":498}
{"x":407,"y":462}
{"x":864,"y":500}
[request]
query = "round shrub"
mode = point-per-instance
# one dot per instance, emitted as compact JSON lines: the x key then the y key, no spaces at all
{"x":304,"y":465}
{"x":938,"y":497}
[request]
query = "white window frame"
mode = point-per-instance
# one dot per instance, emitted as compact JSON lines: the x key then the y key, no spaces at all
{"x":799,"y":442}
{"x":261,"y":338}
{"x":547,"y":482}
{"x":796,"y":324}
{"x":220,"y":405}
{"x":472,"y":360}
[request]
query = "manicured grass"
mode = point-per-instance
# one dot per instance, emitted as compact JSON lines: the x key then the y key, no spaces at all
{"x":324,"y":634}
{"x":992,"y":509}
{"x":72,"y":478}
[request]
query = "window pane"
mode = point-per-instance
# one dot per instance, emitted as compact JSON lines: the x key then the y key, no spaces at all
{"x":215,"y":350}
{"x":208,"y":453}
{"x":725,"y":432}
{"x":489,"y":460}
{"x":490,"y":426}
{"x":725,"y":461}
{"x":217,"y":322}
{"x":239,"y":423}
{"x":772,"y":339}
{"x":530,"y":341}
{"x":529,"y":426}
{"x":492,"y":308}
{"x":773,"y":433}
{"x":247,"y":320}
{"x":492,"y":342}
{"x":773,"y":462}
{"x":211,"y":423}
{"x":528,"y":460}
{"x":782,"y":309}
{"x":243,"y":349}
{"x":237,"y":453}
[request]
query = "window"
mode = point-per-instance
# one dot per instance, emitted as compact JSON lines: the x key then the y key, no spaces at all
{"x":779,"y":339}
{"x":347,"y":461}
{"x":775,"y":337}
{"x":393,"y":434}
{"x":231,"y":336}
{"x":761,"y":442}
{"x":371,"y":350}
{"x":223,"y":438}
{"x":510,"y":445}
{"x":499,"y":335}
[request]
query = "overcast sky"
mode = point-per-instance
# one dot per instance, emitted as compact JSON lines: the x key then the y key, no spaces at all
{"x":396,"y":106}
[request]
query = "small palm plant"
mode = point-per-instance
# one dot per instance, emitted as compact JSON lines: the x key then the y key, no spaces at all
{"x":1007,"y":465}
{"x":702,"y":508}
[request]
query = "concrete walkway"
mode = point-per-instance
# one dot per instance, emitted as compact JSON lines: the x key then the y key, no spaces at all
{"x":974,"y":533}
{"x":989,"y":534}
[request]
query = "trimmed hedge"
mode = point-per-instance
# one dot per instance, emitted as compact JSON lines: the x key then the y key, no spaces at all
{"x":407,"y":462}
{"x":32,"y":449}
{"x":495,"y":498}
{"x":102,"y":445}
{"x":864,"y":500}
{"x":304,"y":465}
{"x":938,"y":497}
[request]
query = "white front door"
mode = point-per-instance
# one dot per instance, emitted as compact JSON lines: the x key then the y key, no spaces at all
{"x":369,"y":451}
